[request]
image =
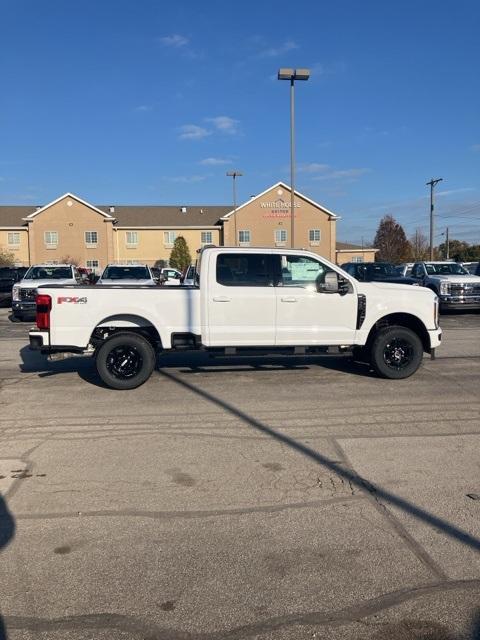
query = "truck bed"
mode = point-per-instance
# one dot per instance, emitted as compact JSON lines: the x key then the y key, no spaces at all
{"x":77,"y":309}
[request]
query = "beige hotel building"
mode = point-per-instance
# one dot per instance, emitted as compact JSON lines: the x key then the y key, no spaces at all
{"x":71,"y":229}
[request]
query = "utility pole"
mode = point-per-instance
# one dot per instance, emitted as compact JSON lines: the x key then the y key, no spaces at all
{"x":447,"y":244}
{"x":234,"y":175}
{"x":432,"y":184}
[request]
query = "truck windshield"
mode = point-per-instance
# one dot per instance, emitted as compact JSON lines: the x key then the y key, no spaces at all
{"x":446,"y":268}
{"x":380,"y":270}
{"x":48,"y":273}
{"x":124,"y":273}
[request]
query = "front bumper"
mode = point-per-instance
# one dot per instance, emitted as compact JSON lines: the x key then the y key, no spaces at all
{"x":459,"y":302}
{"x":435,"y":338}
{"x":20,"y":308}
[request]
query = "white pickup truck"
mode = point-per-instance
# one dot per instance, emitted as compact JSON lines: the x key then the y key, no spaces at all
{"x":246,"y":300}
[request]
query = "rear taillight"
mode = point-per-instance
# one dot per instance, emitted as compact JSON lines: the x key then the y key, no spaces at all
{"x":44,"y":305}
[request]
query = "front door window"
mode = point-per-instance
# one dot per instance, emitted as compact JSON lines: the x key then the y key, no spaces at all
{"x":302,"y":271}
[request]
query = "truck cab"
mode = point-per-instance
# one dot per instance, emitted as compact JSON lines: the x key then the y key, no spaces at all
{"x":454,"y":285}
{"x":24,"y":292}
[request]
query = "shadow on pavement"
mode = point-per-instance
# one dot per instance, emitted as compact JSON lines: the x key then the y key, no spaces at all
{"x":7,"y":531}
{"x":476,"y":627}
{"x":193,"y":362}
{"x":340,"y":469}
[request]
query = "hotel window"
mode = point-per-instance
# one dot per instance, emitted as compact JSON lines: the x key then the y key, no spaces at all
{"x":131,"y":239}
{"x":13,"y":238}
{"x":91,"y":238}
{"x":244,"y":237}
{"x":314,"y":236}
{"x":280,"y":237}
{"x":93,"y":265}
{"x":168,"y":238}
{"x":206,"y":237}
{"x":51,"y":239}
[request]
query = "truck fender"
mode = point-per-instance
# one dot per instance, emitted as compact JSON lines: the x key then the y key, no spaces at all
{"x":404,"y":320}
{"x":126,"y":321}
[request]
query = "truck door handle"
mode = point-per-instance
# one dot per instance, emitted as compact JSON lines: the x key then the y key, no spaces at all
{"x":289,"y":299}
{"x":221,"y":299}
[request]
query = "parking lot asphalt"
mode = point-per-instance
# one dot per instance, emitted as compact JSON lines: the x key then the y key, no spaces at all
{"x":230,"y":499}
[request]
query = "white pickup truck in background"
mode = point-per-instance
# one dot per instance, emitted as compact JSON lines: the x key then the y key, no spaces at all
{"x":247,"y":300}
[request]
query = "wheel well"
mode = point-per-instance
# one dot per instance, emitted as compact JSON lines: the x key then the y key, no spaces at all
{"x":403,"y":320}
{"x":121,"y":324}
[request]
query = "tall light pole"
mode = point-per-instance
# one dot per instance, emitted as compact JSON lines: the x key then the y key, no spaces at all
{"x":234,"y":175}
{"x":432,"y":184}
{"x":292,"y":75}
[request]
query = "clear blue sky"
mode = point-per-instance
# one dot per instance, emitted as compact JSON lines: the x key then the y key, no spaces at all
{"x":142,"y":101}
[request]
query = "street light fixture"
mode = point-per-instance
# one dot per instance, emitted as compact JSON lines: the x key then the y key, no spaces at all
{"x":234,"y":175}
{"x":292,"y":75}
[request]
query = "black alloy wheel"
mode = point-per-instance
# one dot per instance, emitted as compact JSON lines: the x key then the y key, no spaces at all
{"x":396,"y":352}
{"x":125,"y":361}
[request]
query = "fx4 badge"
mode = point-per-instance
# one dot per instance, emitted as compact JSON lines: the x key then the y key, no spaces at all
{"x":71,"y":300}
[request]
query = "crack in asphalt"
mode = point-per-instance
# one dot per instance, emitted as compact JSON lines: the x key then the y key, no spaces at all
{"x":140,"y":628}
{"x":164,"y":515}
{"x":394,"y":523}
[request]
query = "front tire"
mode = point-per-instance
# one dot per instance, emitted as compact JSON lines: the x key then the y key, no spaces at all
{"x":396,"y":353}
{"x":125,"y":361}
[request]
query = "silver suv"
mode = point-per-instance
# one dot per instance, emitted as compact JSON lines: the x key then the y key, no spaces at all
{"x":453,"y":284}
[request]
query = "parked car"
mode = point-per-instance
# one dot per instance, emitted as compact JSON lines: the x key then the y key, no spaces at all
{"x":170,"y":276}
{"x":249,"y":300}
{"x":404,"y":269}
{"x":471,"y":267}
{"x":24,"y":292}
{"x":188,"y":276}
{"x":453,"y":284}
{"x":127,"y":274}
{"x":8,"y":277}
{"x":376,"y":272}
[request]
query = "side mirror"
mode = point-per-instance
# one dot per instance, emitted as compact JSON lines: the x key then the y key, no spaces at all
{"x":330,"y":283}
{"x":334,"y":283}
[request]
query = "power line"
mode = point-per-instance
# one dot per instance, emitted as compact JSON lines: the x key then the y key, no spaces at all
{"x":470,"y":216}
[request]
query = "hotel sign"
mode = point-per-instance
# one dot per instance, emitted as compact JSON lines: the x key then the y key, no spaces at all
{"x":278,"y":208}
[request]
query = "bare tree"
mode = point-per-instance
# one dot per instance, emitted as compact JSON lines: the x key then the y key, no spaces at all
{"x":420,"y":246}
{"x":6,"y":258}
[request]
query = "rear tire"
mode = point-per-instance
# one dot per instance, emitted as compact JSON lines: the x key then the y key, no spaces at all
{"x":396,"y":352}
{"x":125,"y":361}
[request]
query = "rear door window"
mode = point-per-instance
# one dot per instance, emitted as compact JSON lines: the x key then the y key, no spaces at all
{"x":244,"y":270}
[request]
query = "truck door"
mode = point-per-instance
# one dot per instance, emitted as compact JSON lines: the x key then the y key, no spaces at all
{"x":307,"y":314}
{"x":241,"y":300}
